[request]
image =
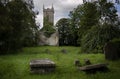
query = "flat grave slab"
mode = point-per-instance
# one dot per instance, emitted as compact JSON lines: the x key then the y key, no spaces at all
{"x":94,"y":67}
{"x":42,"y":66}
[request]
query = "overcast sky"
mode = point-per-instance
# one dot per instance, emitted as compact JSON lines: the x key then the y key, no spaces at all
{"x":61,"y":7}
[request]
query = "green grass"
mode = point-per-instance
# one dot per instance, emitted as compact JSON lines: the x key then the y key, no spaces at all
{"x":16,"y":66}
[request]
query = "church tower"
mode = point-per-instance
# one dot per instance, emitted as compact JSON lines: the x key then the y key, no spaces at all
{"x":48,"y":15}
{"x":48,"y":34}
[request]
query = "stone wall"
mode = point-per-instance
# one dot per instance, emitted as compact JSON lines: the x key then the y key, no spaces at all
{"x":53,"y":40}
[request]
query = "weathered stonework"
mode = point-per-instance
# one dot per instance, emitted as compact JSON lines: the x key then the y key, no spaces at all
{"x":48,"y":18}
{"x":42,"y":66}
{"x":52,"y":40}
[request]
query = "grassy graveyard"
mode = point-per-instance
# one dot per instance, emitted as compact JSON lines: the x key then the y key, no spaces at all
{"x":16,"y":66}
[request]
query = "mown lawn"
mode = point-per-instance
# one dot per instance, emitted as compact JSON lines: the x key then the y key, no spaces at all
{"x":16,"y":66}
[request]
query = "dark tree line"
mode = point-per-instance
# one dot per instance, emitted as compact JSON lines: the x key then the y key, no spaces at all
{"x":67,"y":34}
{"x":63,"y":29}
{"x":17,"y":26}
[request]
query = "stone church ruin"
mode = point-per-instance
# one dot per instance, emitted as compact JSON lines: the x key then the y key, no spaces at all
{"x":48,"y":34}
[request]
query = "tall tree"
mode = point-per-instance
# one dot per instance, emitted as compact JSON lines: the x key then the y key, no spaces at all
{"x":82,"y":18}
{"x":106,"y":30}
{"x":97,"y":24}
{"x":64,"y":31}
{"x":23,"y":20}
{"x":107,"y":12}
{"x":21,"y":26}
{"x":5,"y":27}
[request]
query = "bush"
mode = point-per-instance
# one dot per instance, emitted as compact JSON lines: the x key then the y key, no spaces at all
{"x":97,"y":36}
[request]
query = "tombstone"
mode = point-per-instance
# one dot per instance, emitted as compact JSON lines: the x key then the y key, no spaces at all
{"x":77,"y":63}
{"x":94,"y":67}
{"x":111,"y":51}
{"x":64,"y":51}
{"x":87,"y":62}
{"x":47,"y":51}
{"x":42,"y":66}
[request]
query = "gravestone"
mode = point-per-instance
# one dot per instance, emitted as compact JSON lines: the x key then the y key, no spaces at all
{"x":87,"y":62}
{"x":94,"y":67}
{"x":47,"y":51}
{"x":112,"y":51}
{"x":42,"y":66}
{"x":77,"y":63}
{"x":64,"y":51}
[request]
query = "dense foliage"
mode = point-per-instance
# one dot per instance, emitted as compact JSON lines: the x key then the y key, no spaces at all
{"x":106,"y":30}
{"x":17,"y":26}
{"x":48,"y":28}
{"x":83,"y":18}
{"x":97,"y":36}
{"x":64,"y":30}
{"x":95,"y":24}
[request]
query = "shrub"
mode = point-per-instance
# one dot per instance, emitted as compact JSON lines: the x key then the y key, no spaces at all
{"x":97,"y":36}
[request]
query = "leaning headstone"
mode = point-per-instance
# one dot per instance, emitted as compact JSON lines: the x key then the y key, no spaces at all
{"x":64,"y":51}
{"x":111,"y":51}
{"x":94,"y":67}
{"x":77,"y":63}
{"x":47,"y":51}
{"x":87,"y":62}
{"x":42,"y":66}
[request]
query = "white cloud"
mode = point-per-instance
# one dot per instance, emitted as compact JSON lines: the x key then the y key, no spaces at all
{"x":62,"y":8}
{"x":71,"y":2}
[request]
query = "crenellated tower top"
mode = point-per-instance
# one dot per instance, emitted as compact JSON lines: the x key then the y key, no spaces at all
{"x":48,"y":15}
